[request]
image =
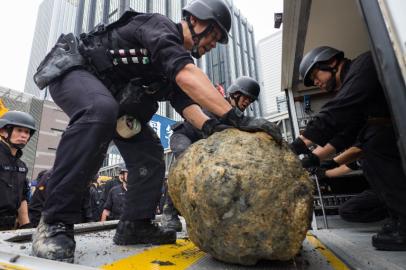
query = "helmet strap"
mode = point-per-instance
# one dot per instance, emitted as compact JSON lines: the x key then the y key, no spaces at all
{"x":197,"y":37}
{"x":236,"y":97}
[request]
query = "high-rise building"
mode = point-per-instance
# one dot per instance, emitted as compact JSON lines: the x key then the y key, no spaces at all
{"x":223,"y":64}
{"x":54,"y":18}
{"x":273,"y":99}
{"x":270,"y":66}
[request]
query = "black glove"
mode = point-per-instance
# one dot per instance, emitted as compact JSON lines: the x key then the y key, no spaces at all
{"x":310,"y":160}
{"x":25,"y":226}
{"x":299,"y":147}
{"x":235,"y":118}
{"x":319,"y":172}
{"x":213,"y":125}
{"x":329,"y":164}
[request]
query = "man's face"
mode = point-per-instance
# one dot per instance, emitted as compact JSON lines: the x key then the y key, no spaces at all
{"x":209,"y":41}
{"x":243,"y":101}
{"x":123,"y":176}
{"x":320,"y":78}
{"x":20,"y":135}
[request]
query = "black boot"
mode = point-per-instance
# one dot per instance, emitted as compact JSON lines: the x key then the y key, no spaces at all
{"x":170,"y":218}
{"x":391,"y":237}
{"x":142,"y":232}
{"x":54,"y":242}
{"x":391,"y":225}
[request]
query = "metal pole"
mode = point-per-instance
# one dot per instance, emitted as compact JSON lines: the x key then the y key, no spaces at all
{"x":321,"y":201}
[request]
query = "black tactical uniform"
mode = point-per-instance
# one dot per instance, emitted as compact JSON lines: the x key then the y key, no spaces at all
{"x":184,"y":134}
{"x":96,"y":200}
{"x":108,"y":186}
{"x":364,"y":207}
{"x":129,"y":66}
{"x":14,"y":186}
{"x":115,"y":202}
{"x":93,"y":111}
{"x":38,"y":198}
{"x":361,"y":97}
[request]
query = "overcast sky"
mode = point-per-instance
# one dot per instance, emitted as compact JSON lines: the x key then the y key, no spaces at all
{"x":18,"y":18}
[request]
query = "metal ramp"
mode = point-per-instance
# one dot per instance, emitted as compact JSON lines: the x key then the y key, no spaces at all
{"x":351,"y":242}
{"x":343,"y":246}
{"x":95,"y":250}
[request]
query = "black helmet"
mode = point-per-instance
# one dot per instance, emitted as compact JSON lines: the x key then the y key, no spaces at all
{"x":319,"y":54}
{"x":215,"y":10}
{"x":17,"y":118}
{"x":245,"y":85}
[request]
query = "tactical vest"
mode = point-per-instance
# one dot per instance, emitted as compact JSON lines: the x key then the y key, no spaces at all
{"x":101,"y":49}
{"x":103,"y":52}
{"x":12,"y":183}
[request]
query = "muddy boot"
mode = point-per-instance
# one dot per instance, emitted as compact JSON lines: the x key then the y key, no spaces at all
{"x":392,"y":238}
{"x":142,"y":232}
{"x":391,"y":225}
{"x":170,"y":218}
{"x":54,"y":242}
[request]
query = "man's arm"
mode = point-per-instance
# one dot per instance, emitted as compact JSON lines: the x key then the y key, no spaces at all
{"x":22,"y":217}
{"x":323,"y":152}
{"x":349,"y":155}
{"x":198,"y":87}
{"x":337,"y":172}
{"x":105,"y":214}
{"x":194,"y":115}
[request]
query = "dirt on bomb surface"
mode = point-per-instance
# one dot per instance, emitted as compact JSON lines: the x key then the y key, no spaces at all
{"x":244,"y":198}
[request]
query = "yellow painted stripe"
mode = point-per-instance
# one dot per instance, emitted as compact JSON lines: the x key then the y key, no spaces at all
{"x":8,"y":266}
{"x":335,"y":262}
{"x":178,"y":256}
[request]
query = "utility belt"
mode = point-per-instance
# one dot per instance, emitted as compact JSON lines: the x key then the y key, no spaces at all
{"x":7,"y":222}
{"x":379,"y":121}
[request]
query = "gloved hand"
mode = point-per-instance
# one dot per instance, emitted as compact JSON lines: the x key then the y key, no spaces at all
{"x":319,"y":172}
{"x":25,"y":226}
{"x":236,"y":118}
{"x":329,"y":164}
{"x":310,"y":160}
{"x":299,"y":147}
{"x":213,"y":125}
